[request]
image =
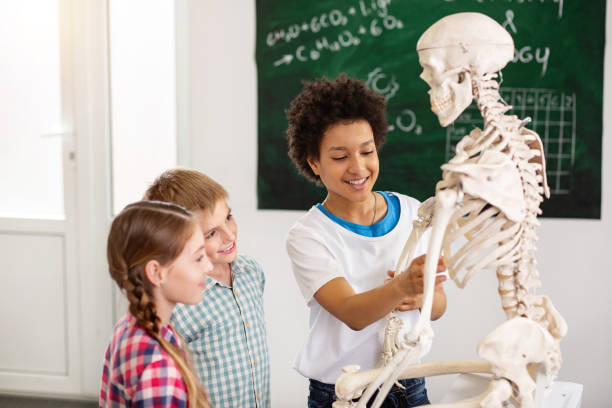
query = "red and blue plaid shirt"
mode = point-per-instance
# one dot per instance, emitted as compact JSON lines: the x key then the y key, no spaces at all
{"x":137,"y":370}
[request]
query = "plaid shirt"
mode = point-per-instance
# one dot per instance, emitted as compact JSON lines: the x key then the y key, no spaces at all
{"x":137,"y":370}
{"x":226,"y":334}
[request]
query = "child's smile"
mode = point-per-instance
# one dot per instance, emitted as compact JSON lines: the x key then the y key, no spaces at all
{"x":231,"y":248}
{"x":348,"y":161}
{"x":358,"y":184}
{"x":220,"y":233}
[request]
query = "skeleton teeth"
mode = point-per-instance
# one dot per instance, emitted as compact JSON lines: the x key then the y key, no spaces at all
{"x":442,"y":104}
{"x":357,"y":181}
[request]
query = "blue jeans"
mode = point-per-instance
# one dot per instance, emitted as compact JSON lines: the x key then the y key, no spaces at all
{"x":323,"y":395}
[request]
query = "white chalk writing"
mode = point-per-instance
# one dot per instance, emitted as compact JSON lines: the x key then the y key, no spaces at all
{"x":378,"y":82}
{"x":528,"y":54}
{"x":334,"y":30}
{"x":559,"y":3}
{"x":387,"y":86}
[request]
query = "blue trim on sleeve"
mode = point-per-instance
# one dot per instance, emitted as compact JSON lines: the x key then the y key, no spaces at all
{"x":378,"y":229}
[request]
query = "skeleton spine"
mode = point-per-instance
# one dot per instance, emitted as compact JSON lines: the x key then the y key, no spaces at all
{"x":517,"y":280}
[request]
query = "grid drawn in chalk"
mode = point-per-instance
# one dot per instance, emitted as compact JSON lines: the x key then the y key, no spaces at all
{"x":553,"y":117}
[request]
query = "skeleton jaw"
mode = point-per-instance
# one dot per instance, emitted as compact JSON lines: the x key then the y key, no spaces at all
{"x":445,"y":109}
{"x":439,"y":105}
{"x":452,"y":97}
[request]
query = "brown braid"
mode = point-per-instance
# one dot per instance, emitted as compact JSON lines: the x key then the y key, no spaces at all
{"x":145,"y":231}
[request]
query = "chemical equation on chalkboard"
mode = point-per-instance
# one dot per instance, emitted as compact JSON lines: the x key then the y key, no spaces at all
{"x":553,"y":117}
{"x":367,"y":18}
{"x":559,"y":3}
{"x":406,"y":122}
{"x":387,"y":86}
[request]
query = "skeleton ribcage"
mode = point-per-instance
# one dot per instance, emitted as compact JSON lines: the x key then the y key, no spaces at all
{"x":479,"y":237}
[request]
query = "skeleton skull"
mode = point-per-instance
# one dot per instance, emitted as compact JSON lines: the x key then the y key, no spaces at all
{"x":455,"y":49}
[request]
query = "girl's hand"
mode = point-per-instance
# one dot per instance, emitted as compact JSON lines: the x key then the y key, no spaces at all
{"x":411,"y":282}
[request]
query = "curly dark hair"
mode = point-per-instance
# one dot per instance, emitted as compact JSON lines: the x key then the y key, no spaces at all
{"x":324,"y":103}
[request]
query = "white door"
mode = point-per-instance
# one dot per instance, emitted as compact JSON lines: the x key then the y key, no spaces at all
{"x":56,"y":296}
{"x":39,"y":305}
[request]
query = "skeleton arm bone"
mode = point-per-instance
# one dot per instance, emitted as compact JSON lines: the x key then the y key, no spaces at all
{"x":421,"y":334}
{"x":392,"y":342}
{"x":425,"y":214}
{"x":352,"y":382}
{"x":466,"y":403}
{"x":445,"y":203}
{"x":385,"y":374}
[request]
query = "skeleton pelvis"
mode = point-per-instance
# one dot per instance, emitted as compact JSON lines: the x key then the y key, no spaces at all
{"x":514,"y":348}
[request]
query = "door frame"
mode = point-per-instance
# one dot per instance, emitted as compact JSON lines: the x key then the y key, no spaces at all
{"x":88,"y":288}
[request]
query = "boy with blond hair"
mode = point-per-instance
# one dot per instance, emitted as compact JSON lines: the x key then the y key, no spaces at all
{"x":227,"y":332}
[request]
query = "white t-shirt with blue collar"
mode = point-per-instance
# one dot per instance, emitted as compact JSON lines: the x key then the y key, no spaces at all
{"x":323,"y":247}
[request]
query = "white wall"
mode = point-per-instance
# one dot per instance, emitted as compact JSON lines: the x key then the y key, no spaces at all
{"x":224,"y":145}
{"x":142,"y":94}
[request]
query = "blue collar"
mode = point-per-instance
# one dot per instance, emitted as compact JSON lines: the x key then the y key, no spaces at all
{"x":377,"y":229}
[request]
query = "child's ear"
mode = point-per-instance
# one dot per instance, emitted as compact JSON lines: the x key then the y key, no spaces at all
{"x":155,"y":273}
{"x":314,"y":165}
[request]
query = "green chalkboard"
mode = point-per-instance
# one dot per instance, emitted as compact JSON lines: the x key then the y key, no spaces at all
{"x":556,"y":78}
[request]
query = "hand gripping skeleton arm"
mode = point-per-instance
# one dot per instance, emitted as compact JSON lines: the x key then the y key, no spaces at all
{"x":490,"y":193}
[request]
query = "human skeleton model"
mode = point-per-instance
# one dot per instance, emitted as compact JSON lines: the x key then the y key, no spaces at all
{"x":490,"y":194}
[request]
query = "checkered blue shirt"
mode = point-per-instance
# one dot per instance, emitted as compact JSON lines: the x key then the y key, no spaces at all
{"x":226,"y":333}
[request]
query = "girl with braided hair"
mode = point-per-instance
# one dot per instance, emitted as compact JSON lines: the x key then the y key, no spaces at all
{"x":156,"y":255}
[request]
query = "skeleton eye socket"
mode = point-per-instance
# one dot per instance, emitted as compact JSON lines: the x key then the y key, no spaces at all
{"x":461,"y":77}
